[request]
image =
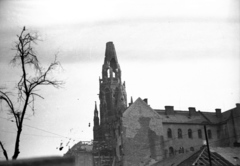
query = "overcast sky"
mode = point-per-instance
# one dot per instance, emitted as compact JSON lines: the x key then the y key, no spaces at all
{"x":181,"y":53}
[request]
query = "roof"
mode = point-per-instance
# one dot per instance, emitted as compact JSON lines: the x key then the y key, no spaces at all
{"x":174,"y":160}
{"x":140,"y":107}
{"x":199,"y":117}
{"x":202,"y":158}
{"x":214,"y":119}
{"x":80,"y":147}
{"x":232,"y":154}
{"x":219,"y":156}
{"x":182,"y":117}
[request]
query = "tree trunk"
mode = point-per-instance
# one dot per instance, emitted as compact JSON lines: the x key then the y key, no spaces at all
{"x":16,"y":150}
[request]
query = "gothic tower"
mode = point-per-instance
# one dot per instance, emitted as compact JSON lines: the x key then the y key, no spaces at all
{"x":112,"y":95}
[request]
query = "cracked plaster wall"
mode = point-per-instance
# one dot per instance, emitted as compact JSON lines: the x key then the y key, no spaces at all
{"x":142,"y":135}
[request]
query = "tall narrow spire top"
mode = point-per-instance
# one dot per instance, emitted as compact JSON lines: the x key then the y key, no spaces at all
{"x":95,"y":110}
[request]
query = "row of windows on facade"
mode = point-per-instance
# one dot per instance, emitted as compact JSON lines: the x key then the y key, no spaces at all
{"x":181,"y":150}
{"x":190,"y":133}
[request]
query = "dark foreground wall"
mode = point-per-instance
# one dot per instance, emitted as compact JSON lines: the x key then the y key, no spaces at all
{"x":43,"y":161}
{"x":84,"y":159}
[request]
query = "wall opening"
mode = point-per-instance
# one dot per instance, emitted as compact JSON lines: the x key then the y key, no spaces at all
{"x":189,"y":133}
{"x":179,"y":133}
{"x":169,"y":133}
{"x":181,"y":150}
{"x":108,"y":73}
{"x":113,"y":64}
{"x":199,"y":133}
{"x":171,"y":151}
{"x":209,"y":133}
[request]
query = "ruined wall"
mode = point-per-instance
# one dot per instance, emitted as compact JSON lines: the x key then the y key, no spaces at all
{"x":236,"y":122}
{"x":84,"y":158}
{"x":142,"y":135}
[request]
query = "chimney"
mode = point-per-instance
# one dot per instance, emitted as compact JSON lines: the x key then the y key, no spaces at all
{"x":131,"y":102}
{"x":237,"y":105}
{"x":145,"y":100}
{"x":169,"y":110}
{"x":192,"y":111}
{"x":218,"y":113}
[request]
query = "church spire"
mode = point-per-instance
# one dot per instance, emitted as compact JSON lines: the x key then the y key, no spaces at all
{"x":96,"y":118}
{"x":95,"y":107}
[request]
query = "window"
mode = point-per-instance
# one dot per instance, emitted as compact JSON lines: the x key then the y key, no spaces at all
{"x":189,"y":133}
{"x":181,"y":150}
{"x":209,"y":133}
{"x":179,"y":133}
{"x":169,"y":133}
{"x":120,"y":150}
{"x":108,"y":73}
{"x":171,"y":151}
{"x":199,"y":133}
{"x":192,"y":149}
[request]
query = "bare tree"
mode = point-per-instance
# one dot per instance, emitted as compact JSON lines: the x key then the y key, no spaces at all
{"x":28,"y":83}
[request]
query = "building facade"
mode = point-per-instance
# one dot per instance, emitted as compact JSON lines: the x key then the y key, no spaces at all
{"x":137,"y":134}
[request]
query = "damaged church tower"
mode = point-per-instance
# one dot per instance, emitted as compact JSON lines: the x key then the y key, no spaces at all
{"x":113,"y":100}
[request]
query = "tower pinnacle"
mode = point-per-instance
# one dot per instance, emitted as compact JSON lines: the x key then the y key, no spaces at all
{"x":110,"y":53}
{"x":96,"y":118}
{"x":111,"y":68}
{"x":95,"y":107}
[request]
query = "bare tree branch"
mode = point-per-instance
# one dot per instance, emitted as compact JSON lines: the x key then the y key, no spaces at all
{"x":5,"y":97}
{"x":26,"y":86}
{"x":4,"y":151}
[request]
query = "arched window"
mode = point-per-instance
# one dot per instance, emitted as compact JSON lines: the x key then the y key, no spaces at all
{"x":189,"y":133}
{"x":179,"y":133}
{"x":181,"y":150}
{"x":113,"y":64}
{"x":169,"y":133}
{"x":199,"y":133}
{"x":108,"y":73}
{"x":171,"y":151}
{"x":113,"y":74}
{"x":209,"y":133}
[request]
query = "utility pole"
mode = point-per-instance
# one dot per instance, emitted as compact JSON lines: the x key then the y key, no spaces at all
{"x":209,"y":154}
